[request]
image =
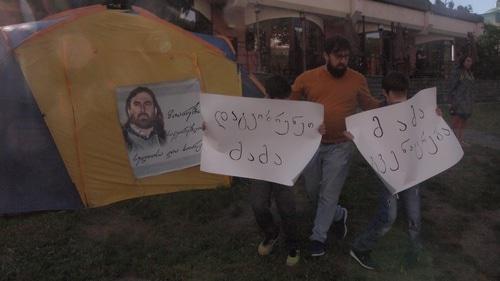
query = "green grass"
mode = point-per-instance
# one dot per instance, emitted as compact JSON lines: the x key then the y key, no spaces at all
{"x":211,"y":235}
{"x":485,"y":118}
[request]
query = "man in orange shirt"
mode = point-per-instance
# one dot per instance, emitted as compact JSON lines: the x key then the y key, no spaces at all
{"x":341,"y":90}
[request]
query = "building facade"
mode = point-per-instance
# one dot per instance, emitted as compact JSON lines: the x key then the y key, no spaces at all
{"x":492,"y":16}
{"x":286,"y":36}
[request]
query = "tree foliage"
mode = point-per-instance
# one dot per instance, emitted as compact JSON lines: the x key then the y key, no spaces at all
{"x":450,"y":4}
{"x":488,"y":46}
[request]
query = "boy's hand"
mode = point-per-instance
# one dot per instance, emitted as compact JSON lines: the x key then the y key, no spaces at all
{"x":439,"y":112}
{"x":348,"y":135}
{"x":322,"y":129}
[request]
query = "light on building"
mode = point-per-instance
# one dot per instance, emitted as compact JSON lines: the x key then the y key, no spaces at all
{"x":380,"y":28}
{"x":188,"y":15}
{"x":452,"y":52}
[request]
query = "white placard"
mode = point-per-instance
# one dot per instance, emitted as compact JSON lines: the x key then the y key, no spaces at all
{"x":405,"y":143}
{"x":265,"y":139}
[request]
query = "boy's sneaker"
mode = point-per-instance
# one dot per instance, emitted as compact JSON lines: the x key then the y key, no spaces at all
{"x":293,"y":257}
{"x":364,"y":259}
{"x":317,"y":248}
{"x":340,"y":226}
{"x":266,"y":246}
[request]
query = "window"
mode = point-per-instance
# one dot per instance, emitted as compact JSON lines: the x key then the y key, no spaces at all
{"x":281,"y":45}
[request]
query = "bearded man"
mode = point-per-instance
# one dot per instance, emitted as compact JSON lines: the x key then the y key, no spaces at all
{"x":341,"y":90}
{"x":145,"y":127}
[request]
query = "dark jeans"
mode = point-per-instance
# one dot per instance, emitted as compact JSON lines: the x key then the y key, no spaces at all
{"x":386,"y":215}
{"x":261,"y":193}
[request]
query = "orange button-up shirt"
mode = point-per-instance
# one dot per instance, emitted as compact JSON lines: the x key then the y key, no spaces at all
{"x":340,"y":97}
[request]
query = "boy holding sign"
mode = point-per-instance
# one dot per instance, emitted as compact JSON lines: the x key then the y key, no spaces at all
{"x":261,"y":193}
{"x":395,"y":86}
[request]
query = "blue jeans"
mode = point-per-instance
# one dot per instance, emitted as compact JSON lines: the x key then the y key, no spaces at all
{"x":386,"y":215}
{"x":324,"y":178}
{"x":261,"y":193}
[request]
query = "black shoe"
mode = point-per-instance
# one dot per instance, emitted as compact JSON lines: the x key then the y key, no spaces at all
{"x":364,"y":259}
{"x":317,"y":248}
{"x":340,"y":226}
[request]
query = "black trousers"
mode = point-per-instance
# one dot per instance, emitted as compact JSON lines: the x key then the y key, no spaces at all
{"x":261,"y":193}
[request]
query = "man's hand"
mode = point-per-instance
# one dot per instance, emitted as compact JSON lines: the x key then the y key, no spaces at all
{"x":348,"y":135}
{"x":322,"y":129}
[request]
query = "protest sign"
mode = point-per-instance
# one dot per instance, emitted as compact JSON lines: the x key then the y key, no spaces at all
{"x":265,"y":139}
{"x":405,"y":143}
{"x":161,"y":125}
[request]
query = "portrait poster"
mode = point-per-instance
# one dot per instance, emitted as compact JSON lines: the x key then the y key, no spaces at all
{"x":161,"y":125}
{"x":405,"y":143}
{"x":266,"y":139}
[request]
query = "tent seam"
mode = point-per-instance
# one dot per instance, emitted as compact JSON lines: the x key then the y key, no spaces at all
{"x":75,"y":128}
{"x":68,"y":20}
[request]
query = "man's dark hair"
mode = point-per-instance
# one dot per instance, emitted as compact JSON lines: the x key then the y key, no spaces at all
{"x":337,"y":43}
{"x":277,"y":87}
{"x":158,"y":124}
{"x":396,"y":82}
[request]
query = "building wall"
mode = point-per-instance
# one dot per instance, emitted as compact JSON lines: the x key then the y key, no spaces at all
{"x":10,"y":13}
{"x":391,"y":13}
{"x":454,"y":27}
{"x":338,"y":8}
{"x":491,"y":19}
{"x":230,"y":23}
{"x":268,"y":13}
{"x":204,"y":8}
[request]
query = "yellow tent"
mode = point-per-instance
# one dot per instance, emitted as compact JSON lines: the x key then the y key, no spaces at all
{"x":73,"y":69}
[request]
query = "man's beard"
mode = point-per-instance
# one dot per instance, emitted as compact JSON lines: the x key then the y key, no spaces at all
{"x":335,"y":71}
{"x":143,"y":123}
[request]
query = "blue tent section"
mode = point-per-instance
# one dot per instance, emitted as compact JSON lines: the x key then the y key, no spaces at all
{"x":16,"y":34}
{"x":220,"y":43}
{"x":249,"y":87}
{"x":33,"y":176}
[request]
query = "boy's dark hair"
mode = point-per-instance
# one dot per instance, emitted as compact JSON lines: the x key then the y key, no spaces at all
{"x":337,"y":43}
{"x":396,"y":82}
{"x":277,"y":87}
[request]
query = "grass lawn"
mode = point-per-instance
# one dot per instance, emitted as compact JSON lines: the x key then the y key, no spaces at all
{"x":211,"y":235}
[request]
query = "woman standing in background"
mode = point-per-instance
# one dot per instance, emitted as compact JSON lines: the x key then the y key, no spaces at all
{"x":461,"y":96}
